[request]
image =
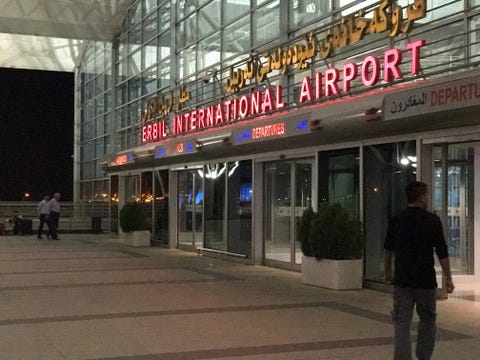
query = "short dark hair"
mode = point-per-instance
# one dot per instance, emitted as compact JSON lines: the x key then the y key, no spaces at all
{"x":414,"y":190}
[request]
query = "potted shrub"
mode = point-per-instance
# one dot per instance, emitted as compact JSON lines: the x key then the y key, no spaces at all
{"x":332,"y":249}
{"x":133,"y":227}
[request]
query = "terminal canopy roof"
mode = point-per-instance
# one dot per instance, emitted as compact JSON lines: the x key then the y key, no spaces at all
{"x":51,"y":34}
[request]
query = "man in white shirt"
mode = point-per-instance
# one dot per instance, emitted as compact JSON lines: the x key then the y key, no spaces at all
{"x":43,"y":211}
{"x":54,"y":215}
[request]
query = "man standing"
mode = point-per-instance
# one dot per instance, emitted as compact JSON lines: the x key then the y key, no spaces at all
{"x":412,"y":236}
{"x":54,"y":215}
{"x":43,"y":211}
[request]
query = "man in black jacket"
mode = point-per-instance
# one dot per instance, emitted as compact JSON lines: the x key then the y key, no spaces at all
{"x":412,"y":236}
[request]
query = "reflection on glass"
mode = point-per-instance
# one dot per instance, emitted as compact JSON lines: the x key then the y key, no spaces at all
{"x":190,"y":208}
{"x":284,"y":205}
{"x":338,"y":178}
{"x":453,"y":200}
{"x":266,"y":22}
{"x":277,"y":211}
{"x":146,"y":197}
{"x":214,"y":217}
{"x":240,"y":207}
{"x":132,"y":188}
{"x":388,"y":168}
{"x":236,"y":38}
{"x":114,"y":199}
{"x":304,"y":12}
{"x":233,"y":9}
{"x":160,"y":237}
{"x":303,"y":198}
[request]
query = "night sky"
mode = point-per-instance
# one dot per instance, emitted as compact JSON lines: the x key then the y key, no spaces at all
{"x":36,"y":134}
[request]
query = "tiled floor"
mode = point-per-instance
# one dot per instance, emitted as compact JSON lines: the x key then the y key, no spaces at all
{"x":89,"y":297}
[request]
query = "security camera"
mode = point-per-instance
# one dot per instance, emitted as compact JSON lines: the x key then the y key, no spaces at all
{"x":209,"y":74}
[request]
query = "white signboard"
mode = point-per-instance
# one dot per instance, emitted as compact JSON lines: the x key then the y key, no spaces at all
{"x":446,"y":96}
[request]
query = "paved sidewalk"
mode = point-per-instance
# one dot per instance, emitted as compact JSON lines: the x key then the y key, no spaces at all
{"x":89,"y":297}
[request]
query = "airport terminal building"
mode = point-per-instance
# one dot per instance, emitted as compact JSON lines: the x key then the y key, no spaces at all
{"x":226,"y":119}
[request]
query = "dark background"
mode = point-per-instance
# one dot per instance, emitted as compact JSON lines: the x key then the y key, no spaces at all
{"x":36,"y":134}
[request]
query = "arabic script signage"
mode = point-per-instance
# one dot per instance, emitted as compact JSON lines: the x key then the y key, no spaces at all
{"x":229,"y":110}
{"x":446,"y":96}
{"x":388,"y":16}
{"x":323,"y":86}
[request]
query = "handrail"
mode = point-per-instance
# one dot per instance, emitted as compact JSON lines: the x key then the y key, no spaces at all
{"x":28,"y":209}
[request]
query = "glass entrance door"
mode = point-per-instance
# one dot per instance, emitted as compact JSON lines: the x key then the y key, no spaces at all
{"x":453,"y":200}
{"x":288,"y":192}
{"x":190,"y":208}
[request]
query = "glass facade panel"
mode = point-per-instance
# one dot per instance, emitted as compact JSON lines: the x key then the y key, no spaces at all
{"x":164,"y":46}
{"x":209,"y":18}
{"x":214,"y":208}
{"x":161,"y":191}
{"x":454,"y":189}
{"x":146,"y":198}
{"x":149,"y":6}
{"x":277,"y":211}
{"x":190,"y":208}
{"x":443,"y":8}
{"x":233,"y":9}
{"x":135,"y":39}
{"x":134,"y":88}
{"x":474,"y":38}
{"x":236,"y":38}
{"x":266,"y":23}
{"x":184,"y":8}
{"x":187,"y":31}
{"x":449,"y":48}
{"x":208,"y":51}
{"x":352,"y":6}
{"x":164,"y":17}
{"x":163,"y":74}
{"x":149,"y":81}
{"x":388,"y":168}
{"x":132,"y":188}
{"x":338,"y":179}
{"x":240,"y":207}
{"x":303,"y":198}
{"x":134,"y":64}
{"x":186,"y":63}
{"x":149,"y":28}
{"x":149,"y":54}
{"x":304,"y":12}
{"x":135,"y":13}
{"x":114,"y":199}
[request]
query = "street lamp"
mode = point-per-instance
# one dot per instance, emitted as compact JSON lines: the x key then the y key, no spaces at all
{"x":26,"y":195}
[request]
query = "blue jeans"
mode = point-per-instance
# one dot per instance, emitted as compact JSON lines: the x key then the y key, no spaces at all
{"x":404,"y":300}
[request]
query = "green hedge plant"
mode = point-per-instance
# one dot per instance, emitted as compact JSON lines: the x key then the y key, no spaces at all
{"x":131,"y":217}
{"x":332,"y":234}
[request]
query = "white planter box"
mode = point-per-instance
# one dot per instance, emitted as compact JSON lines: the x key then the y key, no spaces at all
{"x":332,"y":274}
{"x":137,"y":238}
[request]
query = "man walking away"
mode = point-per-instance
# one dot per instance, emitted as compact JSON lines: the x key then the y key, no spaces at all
{"x":412,"y":236}
{"x":54,"y":215}
{"x":43,"y":211}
